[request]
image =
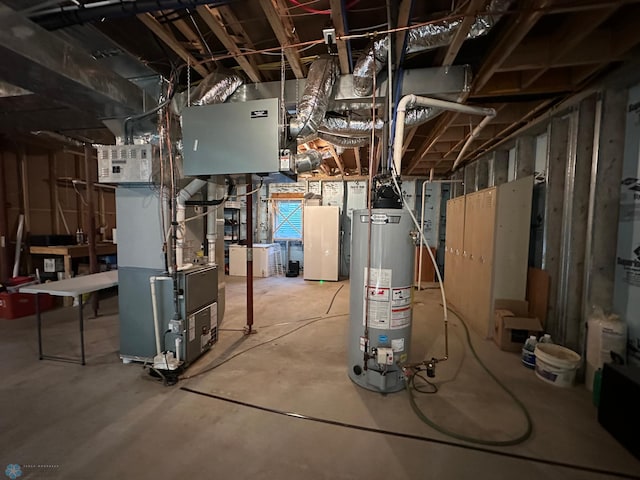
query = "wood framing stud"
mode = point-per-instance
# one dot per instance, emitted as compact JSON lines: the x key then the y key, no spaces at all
{"x":356,"y":153}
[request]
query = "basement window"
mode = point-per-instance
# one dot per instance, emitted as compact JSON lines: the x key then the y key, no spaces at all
{"x":287,"y":220}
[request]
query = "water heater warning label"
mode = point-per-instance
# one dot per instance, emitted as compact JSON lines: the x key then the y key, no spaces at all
{"x":401,"y":296}
{"x":400,"y":317}
{"x":379,"y":314}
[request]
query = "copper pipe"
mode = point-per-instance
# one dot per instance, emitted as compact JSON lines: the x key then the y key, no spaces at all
{"x":249,"y":327}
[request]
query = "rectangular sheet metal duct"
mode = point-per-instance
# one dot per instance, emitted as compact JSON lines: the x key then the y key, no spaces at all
{"x":35,"y":59}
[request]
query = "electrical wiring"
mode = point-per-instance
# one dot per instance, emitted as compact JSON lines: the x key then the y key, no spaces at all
{"x":420,"y":438}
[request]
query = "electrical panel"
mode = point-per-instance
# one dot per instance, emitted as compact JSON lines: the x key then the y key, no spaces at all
{"x":125,"y":163}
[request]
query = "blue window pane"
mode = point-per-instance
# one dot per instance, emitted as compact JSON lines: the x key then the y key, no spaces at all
{"x":288,"y":220}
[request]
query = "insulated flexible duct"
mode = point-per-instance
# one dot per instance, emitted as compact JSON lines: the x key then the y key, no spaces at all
{"x":315,"y":98}
{"x":344,"y":142}
{"x":419,"y":115}
{"x":214,"y":88}
{"x":349,"y":127}
{"x":307,"y":161}
{"x":419,"y":39}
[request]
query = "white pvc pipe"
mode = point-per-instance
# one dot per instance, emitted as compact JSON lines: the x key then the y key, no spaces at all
{"x":409,"y":101}
{"x":178,"y":342}
{"x":211,"y":225}
{"x":16,"y":263}
{"x":154,"y":306}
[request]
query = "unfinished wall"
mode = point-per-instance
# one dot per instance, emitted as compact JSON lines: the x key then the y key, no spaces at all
{"x":39,"y":184}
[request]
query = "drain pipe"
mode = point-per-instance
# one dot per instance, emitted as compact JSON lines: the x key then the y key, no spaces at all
{"x":181,"y":208}
{"x":410,"y":101}
{"x":154,"y":308}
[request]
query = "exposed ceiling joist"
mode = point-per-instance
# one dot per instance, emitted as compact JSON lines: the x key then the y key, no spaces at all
{"x":569,"y":36}
{"x":337,"y":15}
{"x":278,"y":16}
{"x":517,"y":29}
{"x":404,"y":13}
{"x":213,"y":19}
{"x":167,"y":37}
{"x":447,"y":56}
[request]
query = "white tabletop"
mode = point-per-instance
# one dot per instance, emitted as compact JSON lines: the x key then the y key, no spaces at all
{"x":72,"y":287}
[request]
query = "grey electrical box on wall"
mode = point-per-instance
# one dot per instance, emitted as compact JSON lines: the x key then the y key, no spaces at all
{"x":232,"y":138}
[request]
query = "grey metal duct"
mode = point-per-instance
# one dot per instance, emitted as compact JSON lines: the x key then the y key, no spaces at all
{"x":349,"y":127}
{"x":307,"y":161}
{"x":216,"y":87}
{"x":315,"y":99}
{"x":59,"y":17}
{"x":38,"y":60}
{"x":426,"y":37}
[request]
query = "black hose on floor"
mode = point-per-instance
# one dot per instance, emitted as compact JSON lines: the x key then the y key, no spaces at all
{"x":410,"y":436}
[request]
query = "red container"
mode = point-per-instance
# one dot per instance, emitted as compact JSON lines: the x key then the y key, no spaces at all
{"x":16,"y":305}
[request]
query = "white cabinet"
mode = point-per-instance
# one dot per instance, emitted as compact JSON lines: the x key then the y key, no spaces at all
{"x":263,"y":259}
{"x":321,"y":236}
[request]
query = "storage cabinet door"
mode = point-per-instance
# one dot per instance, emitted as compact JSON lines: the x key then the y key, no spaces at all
{"x":453,"y":249}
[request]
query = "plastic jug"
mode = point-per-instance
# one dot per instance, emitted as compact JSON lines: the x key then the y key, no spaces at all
{"x":528,"y":355}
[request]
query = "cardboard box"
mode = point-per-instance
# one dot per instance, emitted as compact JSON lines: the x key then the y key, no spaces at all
{"x":514,"y":324}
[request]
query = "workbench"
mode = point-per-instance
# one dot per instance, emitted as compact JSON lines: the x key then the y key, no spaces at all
{"x":69,"y":252}
{"x":71,"y":287}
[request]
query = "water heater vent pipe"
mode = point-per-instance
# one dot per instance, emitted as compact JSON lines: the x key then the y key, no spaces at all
{"x":409,"y":101}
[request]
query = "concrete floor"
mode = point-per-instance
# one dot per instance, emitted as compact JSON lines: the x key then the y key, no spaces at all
{"x":109,"y":420}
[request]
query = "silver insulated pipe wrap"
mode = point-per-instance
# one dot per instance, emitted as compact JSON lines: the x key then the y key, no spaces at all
{"x":426,"y":37}
{"x":214,"y":88}
{"x":315,"y":98}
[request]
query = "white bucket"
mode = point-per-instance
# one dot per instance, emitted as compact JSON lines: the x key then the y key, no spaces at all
{"x":556,"y":364}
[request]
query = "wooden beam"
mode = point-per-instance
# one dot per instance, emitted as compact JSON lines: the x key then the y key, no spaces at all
{"x":167,"y":37}
{"x":553,"y":81}
{"x":214,"y":21}
{"x":336,"y":158}
{"x":356,"y":153}
{"x":446,"y":57}
{"x":337,"y":16}
{"x":278,"y":16}
{"x":235,"y":26}
{"x":624,"y":38}
{"x":517,"y":29}
{"x":404,"y":13}
{"x":569,"y":36}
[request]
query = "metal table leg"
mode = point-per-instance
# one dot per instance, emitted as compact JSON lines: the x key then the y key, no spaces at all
{"x":81,"y":328}
{"x":39,"y":325}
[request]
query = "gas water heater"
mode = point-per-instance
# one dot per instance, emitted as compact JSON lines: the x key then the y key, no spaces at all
{"x":382,"y":263}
